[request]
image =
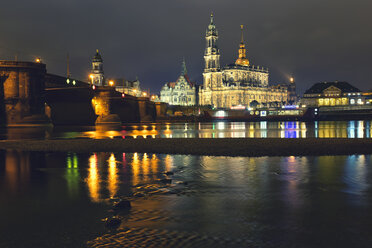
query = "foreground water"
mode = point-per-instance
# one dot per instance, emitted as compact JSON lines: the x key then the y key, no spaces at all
{"x":218,"y":129}
{"x":59,"y":200}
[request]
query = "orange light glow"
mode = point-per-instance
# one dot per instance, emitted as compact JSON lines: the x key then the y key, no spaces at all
{"x":93,"y":179}
{"x":112,"y":176}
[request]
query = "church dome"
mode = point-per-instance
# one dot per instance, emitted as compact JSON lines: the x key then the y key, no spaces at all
{"x":97,"y":57}
{"x":242,"y":62}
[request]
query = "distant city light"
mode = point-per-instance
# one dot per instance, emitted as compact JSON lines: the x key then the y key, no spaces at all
{"x":111,"y":83}
{"x":220,"y":114}
{"x":292,"y":79}
{"x":290,"y":107}
{"x":38,"y":60}
{"x":144,"y":94}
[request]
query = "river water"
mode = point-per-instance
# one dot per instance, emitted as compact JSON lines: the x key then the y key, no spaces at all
{"x":218,"y":129}
{"x":60,"y":199}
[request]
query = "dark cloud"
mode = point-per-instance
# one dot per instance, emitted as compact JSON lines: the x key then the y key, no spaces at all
{"x":313,"y":40}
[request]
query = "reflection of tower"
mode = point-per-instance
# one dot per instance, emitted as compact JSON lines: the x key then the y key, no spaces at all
{"x":97,"y":76}
{"x":292,"y":95}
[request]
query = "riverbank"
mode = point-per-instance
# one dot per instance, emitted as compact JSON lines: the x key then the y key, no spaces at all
{"x":216,"y":147}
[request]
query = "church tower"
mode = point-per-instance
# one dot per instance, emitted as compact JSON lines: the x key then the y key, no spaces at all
{"x":212,"y":71}
{"x":97,"y":76}
{"x":212,"y":53}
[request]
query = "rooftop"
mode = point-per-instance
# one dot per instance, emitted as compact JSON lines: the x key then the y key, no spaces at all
{"x":343,"y":86}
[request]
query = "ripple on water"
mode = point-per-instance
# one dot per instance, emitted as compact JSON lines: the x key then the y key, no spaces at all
{"x":145,"y":237}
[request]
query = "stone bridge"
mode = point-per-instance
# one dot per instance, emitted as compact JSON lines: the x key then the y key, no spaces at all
{"x":30,"y":96}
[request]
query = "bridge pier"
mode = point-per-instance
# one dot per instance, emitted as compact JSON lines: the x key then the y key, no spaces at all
{"x":102,"y":104}
{"x":22,"y":100}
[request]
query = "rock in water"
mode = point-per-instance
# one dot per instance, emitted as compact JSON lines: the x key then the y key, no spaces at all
{"x":166,"y":181}
{"x":113,"y":222}
{"x":122,"y":205}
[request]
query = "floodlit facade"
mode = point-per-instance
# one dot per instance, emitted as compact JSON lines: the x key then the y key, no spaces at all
{"x":332,"y":94}
{"x":236,"y":84}
{"x":182,"y":92}
{"x":129,"y":87}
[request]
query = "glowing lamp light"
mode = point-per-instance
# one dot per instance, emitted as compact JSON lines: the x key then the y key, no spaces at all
{"x":74,"y":82}
{"x":144,"y":94}
{"x":93,"y":87}
{"x":241,"y":107}
{"x":122,"y":95}
{"x":111,"y":83}
{"x":291,"y":79}
{"x":38,"y":60}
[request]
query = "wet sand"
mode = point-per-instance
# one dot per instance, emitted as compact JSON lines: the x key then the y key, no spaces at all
{"x":206,"y":146}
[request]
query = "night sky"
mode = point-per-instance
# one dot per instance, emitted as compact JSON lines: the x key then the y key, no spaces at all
{"x":315,"y":40}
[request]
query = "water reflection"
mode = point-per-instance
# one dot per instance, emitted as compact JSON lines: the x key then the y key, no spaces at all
{"x":263,"y":129}
{"x":112,"y":176}
{"x":218,"y":129}
{"x":93,"y":180}
{"x":72,"y":174}
{"x":268,"y":197}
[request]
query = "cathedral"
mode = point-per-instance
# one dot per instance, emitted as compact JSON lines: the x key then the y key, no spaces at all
{"x":236,"y":84}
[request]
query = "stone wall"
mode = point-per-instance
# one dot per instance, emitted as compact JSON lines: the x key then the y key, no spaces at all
{"x":22,"y":93}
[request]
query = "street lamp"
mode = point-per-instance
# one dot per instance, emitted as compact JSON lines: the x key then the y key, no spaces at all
{"x":38,"y":60}
{"x":111,"y":83}
{"x":91,"y":77}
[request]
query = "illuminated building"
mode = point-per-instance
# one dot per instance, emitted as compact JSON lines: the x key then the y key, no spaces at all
{"x":332,"y":94}
{"x":97,"y":75}
{"x":129,"y":87}
{"x":182,"y":92}
{"x":236,"y":84}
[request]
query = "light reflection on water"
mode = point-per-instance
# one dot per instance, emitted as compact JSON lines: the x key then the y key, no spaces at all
{"x":219,"y":129}
{"x":264,"y":198}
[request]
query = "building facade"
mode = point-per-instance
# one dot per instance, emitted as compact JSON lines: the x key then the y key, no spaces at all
{"x":97,"y":75}
{"x":332,"y":94}
{"x":182,"y":92}
{"x":132,"y":88}
{"x":236,"y":84}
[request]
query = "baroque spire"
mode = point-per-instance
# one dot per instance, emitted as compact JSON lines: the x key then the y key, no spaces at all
{"x":184,"y":69}
{"x":242,"y":60}
{"x":211,"y":30}
{"x":242,"y":39}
